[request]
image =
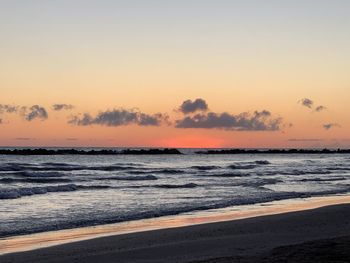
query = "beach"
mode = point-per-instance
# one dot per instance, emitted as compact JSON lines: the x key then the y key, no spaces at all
{"x":302,"y":235}
{"x":174,"y":131}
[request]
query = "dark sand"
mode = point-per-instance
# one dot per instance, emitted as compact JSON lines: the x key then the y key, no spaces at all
{"x":318,"y":235}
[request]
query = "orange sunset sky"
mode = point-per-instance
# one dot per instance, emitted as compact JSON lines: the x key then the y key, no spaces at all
{"x":175,"y":73}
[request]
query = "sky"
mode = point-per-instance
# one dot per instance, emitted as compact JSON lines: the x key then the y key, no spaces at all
{"x":185,"y":73}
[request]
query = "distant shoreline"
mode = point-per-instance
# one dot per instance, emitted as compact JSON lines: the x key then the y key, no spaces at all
{"x":164,"y":151}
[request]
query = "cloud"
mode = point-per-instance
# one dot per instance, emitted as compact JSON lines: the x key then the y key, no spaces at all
{"x":306,"y":102}
{"x":23,"y":139}
{"x":329,"y":126}
{"x":71,"y":139}
{"x":58,"y":107}
{"x":189,"y":106}
{"x":5,"y":108}
{"x":309,"y":104}
{"x":258,"y":121}
{"x":152,"y":120}
{"x":119,"y":117}
{"x":0,"y":121}
{"x":320,"y":108}
{"x":28,"y":113}
{"x":34,"y":112}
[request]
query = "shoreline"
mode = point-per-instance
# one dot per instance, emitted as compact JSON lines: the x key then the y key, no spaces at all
{"x":44,"y":240}
{"x":315,"y":235}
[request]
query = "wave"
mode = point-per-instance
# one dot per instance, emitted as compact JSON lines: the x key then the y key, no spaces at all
{"x":295,"y":172}
{"x":108,"y":168}
{"x":267,"y":196}
{"x":323,"y":179}
{"x":262,"y":162}
{"x":169,"y":171}
{"x":205,"y":167}
{"x":115,"y":165}
{"x":331,"y":192}
{"x":129,"y":178}
{"x":304,"y":172}
{"x":40,"y":174}
{"x":161,"y":171}
{"x":225,"y":175}
{"x":249,"y":165}
{"x":17,"y":167}
{"x":164,"y":210}
{"x":242,"y":166}
{"x":28,"y":191}
{"x":34,"y":180}
{"x":171,"y":186}
{"x":47,"y":168}
{"x":56,"y":167}
{"x":261,"y":182}
{"x":344,"y":168}
{"x":58,"y":164}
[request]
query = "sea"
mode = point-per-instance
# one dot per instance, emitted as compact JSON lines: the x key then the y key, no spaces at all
{"x":53,"y":192}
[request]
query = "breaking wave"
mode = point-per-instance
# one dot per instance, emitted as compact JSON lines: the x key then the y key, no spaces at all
{"x":27,"y":191}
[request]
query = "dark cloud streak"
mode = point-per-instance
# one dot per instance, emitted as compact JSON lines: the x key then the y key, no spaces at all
{"x":119,"y":117}
{"x":59,"y":107}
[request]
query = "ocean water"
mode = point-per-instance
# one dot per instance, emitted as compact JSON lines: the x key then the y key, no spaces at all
{"x":42,"y":193}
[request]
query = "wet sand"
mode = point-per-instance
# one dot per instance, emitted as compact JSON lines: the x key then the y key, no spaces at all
{"x":334,"y":250}
{"x":303,"y":235}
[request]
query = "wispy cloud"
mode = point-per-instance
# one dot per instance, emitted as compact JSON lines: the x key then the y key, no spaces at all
{"x":5,"y":108}
{"x":119,"y":117}
{"x":310,"y":103}
{"x":189,"y":106}
{"x":320,"y":108}
{"x":329,"y":126}
{"x":59,"y":107}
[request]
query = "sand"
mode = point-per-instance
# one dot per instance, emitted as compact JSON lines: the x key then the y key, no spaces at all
{"x":317,"y":235}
